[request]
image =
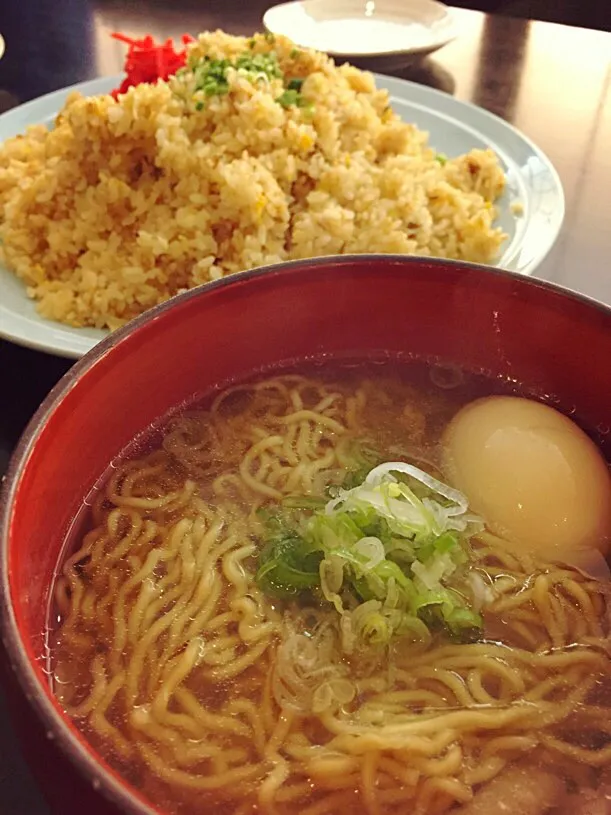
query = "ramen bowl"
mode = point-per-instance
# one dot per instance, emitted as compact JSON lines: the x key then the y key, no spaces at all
{"x":486,"y":321}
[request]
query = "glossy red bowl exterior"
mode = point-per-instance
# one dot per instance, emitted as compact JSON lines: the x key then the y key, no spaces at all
{"x":482,"y":319}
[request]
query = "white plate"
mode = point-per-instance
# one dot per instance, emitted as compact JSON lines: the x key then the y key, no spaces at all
{"x":454,"y":127}
{"x":371,"y":28}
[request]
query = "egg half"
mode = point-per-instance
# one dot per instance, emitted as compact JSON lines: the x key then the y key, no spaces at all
{"x":533,"y":475}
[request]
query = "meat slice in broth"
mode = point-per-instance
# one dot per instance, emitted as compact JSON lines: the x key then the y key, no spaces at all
{"x":520,"y":790}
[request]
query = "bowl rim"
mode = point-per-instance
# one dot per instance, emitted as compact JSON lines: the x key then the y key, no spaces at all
{"x":87,"y":761}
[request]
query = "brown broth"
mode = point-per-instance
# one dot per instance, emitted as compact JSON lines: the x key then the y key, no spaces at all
{"x":392,"y":426}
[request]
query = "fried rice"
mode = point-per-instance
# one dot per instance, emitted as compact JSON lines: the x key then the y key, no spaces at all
{"x":126,"y":202}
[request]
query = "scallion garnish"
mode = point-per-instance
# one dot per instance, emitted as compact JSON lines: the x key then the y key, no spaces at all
{"x":387,"y":554}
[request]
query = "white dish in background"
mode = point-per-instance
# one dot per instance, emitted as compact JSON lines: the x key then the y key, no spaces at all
{"x":364,"y":28}
{"x":454,"y":127}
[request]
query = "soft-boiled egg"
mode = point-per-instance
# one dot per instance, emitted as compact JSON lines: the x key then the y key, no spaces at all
{"x":533,"y":475}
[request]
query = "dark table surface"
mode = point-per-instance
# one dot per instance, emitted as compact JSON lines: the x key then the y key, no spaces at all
{"x":551,"y":81}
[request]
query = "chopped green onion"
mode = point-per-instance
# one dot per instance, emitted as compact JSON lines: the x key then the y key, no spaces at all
{"x":288,"y":98}
{"x":210,"y":75}
{"x":266,"y":64}
{"x":386,"y":554}
{"x":288,"y":564}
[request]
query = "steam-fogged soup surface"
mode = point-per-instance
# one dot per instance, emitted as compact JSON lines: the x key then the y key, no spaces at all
{"x":280,"y":602}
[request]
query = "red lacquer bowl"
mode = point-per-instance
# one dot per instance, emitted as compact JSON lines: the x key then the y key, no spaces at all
{"x":482,"y":319}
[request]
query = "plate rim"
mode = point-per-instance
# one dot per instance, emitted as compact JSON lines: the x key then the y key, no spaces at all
{"x":434,"y":45}
{"x":493,"y":119}
{"x":67,"y":346}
